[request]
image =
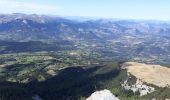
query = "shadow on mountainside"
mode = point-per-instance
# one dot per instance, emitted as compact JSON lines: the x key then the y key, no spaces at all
{"x":70,"y":84}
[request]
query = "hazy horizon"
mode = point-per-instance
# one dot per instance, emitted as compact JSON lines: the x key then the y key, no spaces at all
{"x":112,"y":9}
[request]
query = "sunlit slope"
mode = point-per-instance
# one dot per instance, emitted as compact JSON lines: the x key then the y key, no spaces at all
{"x":151,"y":74}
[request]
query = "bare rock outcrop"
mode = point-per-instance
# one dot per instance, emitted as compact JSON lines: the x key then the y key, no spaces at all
{"x":102,"y":95}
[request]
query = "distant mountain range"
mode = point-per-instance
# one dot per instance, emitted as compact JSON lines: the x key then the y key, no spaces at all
{"x":128,"y":38}
{"x":22,"y":27}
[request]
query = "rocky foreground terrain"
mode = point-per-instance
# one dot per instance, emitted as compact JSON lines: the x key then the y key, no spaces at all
{"x":102,"y":95}
{"x":146,"y":75}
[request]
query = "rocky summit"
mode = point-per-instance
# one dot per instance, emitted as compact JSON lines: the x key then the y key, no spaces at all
{"x":102,"y":95}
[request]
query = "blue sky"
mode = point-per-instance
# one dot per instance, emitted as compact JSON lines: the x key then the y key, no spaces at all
{"x":124,"y":9}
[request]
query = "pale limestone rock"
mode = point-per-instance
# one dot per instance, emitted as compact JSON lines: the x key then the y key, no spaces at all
{"x":102,"y":95}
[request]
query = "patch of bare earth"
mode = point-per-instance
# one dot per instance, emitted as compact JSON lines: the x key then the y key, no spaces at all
{"x":151,"y":74}
{"x":1,"y":66}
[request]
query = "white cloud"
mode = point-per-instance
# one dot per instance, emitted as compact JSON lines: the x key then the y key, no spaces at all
{"x":13,"y":6}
